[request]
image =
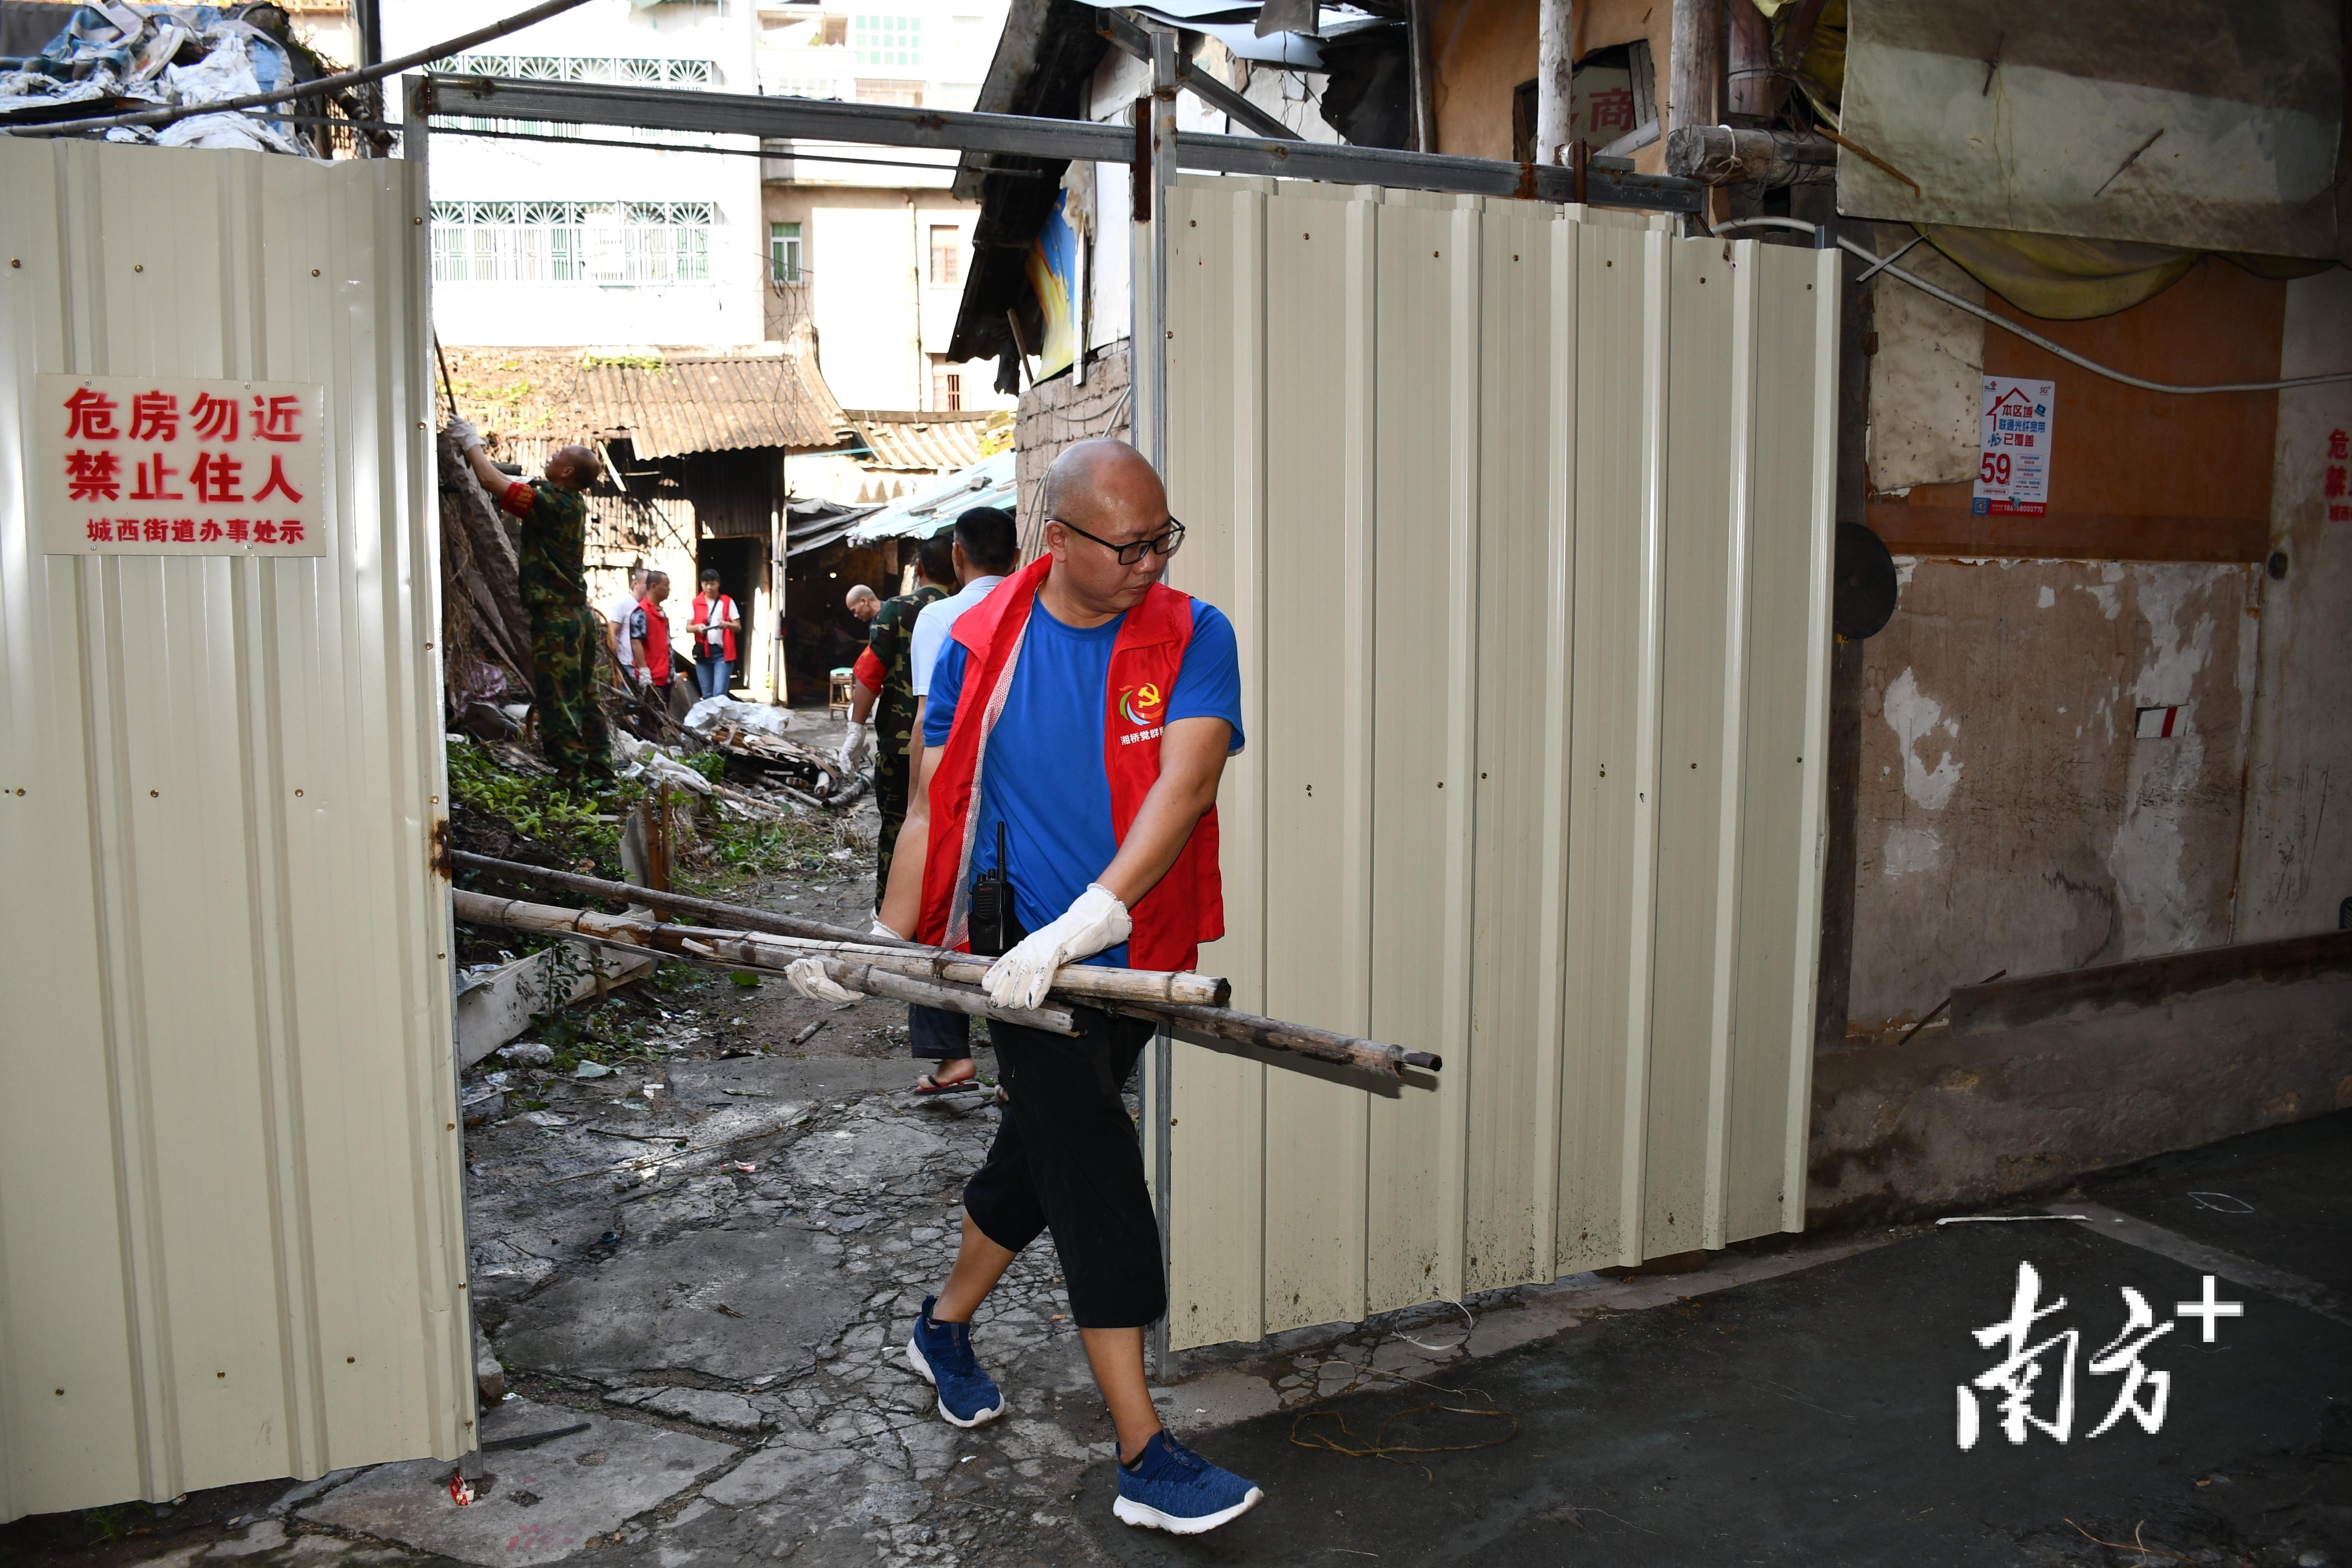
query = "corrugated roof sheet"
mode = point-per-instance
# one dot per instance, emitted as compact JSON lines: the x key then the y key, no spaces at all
{"x":718,"y":403}
{"x":988,"y":483}
{"x":926,"y":441}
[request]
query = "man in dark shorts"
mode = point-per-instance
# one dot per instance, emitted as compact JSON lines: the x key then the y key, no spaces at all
{"x":1097,"y":750}
{"x":554,"y":583}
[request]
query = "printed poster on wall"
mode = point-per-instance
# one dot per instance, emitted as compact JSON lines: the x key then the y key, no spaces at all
{"x":161,"y":465}
{"x":2013,"y":462}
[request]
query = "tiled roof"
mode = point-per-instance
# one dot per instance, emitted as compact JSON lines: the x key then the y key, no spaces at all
{"x":716,"y":403}
{"x":924,"y":442}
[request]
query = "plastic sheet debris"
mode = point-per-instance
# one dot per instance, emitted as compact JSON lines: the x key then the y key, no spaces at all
{"x":527,"y":1053}
{"x":591,"y":1069}
{"x":121,"y":56}
{"x":712,"y":711}
{"x":644,"y":760}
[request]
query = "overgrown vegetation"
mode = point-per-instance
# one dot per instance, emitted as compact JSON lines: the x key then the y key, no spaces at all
{"x":577,"y":826}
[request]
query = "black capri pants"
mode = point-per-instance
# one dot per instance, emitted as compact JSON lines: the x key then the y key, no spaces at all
{"x":1067,"y":1159}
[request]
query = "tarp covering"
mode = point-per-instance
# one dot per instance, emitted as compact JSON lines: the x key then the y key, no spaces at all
{"x":2064,"y":279}
{"x":988,"y":483}
{"x":2204,"y":123}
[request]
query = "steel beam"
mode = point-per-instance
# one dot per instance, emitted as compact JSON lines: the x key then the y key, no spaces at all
{"x":663,"y":109}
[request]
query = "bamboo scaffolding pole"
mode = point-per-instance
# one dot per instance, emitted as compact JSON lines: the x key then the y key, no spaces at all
{"x":1084,"y":980}
{"x":1082,"y":984}
{"x":748,"y":950}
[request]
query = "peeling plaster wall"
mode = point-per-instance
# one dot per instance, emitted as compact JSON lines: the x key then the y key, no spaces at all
{"x":2297,"y":858}
{"x":2008,"y":817}
{"x":1926,"y":371}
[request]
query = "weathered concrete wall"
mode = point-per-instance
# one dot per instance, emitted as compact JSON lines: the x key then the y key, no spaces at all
{"x":2008,"y":817}
{"x":1945,"y":1122}
{"x":1059,"y":413}
{"x":2297,"y":860}
{"x":1926,"y":371}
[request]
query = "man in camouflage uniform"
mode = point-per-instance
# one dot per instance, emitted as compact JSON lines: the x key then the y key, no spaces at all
{"x":884,"y":688}
{"x":554,"y":579}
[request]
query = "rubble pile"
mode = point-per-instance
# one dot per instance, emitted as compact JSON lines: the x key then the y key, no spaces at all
{"x":116,"y":58}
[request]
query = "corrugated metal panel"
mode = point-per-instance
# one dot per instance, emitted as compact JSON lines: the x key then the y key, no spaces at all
{"x":922,"y":443}
{"x":1522,"y":517}
{"x":231,"y":1241}
{"x":715,"y":405}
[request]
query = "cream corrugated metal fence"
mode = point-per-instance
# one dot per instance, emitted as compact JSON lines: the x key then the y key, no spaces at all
{"x":230,"y":1223}
{"x":1523,"y":518}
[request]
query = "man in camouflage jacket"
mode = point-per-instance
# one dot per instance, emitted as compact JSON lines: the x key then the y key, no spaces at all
{"x":551,"y":573}
{"x":892,"y":700}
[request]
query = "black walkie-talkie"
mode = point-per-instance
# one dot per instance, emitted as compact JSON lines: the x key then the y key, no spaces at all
{"x":992,"y":920}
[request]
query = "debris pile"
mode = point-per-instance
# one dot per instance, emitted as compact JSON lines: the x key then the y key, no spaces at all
{"x":116,"y":58}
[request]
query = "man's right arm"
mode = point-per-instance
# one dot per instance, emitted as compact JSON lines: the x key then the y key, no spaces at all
{"x":902,"y":903}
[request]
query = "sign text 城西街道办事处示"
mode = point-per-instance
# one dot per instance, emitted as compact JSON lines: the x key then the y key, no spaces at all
{"x":179,"y":465}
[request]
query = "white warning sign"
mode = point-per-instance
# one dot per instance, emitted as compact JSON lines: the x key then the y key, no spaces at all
{"x":2013,"y":463}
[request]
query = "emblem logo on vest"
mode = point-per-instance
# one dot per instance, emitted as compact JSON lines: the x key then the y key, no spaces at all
{"x":1143,"y":707}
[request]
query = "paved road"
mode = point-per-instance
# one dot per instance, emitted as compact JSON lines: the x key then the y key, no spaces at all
{"x":1811,"y":1418}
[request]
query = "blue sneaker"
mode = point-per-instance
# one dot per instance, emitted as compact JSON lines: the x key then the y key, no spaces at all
{"x":1173,"y":1488}
{"x":942,"y":1353}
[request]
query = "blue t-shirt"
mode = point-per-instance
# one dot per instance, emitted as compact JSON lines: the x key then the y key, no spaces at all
{"x":1044,"y":776}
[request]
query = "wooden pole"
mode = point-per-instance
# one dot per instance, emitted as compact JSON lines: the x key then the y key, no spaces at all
{"x":1554,"y":78}
{"x":1695,"y":78}
{"x":1751,"y":93}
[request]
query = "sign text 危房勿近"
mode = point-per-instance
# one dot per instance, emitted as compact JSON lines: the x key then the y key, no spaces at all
{"x":2013,"y":454}
{"x":178,"y":466}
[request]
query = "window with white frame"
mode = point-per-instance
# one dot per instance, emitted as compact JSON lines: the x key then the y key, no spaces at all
{"x":882,"y":40}
{"x":783,"y":253}
{"x":619,"y":244}
{"x":628,"y":71}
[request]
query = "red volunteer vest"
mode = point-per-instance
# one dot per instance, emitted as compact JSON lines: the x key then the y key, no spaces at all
{"x":1187,"y":907}
{"x":658,"y":654}
{"x":722,"y":609}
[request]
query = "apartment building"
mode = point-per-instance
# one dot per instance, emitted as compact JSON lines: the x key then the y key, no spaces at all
{"x":866,"y":244}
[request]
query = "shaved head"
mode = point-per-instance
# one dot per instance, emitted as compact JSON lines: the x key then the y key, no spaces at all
{"x":1102,"y":500}
{"x":573,"y":467}
{"x":1093,"y":473}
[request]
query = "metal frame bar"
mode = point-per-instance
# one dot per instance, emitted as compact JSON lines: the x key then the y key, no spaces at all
{"x":1123,"y":32}
{"x":667,"y":109}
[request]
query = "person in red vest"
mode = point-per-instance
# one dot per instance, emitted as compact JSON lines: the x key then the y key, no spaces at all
{"x":649,"y":631}
{"x":713,"y":627}
{"x":1092,"y":758}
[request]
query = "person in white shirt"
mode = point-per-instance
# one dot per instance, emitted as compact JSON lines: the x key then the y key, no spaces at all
{"x":616,"y":626}
{"x":987,"y":548}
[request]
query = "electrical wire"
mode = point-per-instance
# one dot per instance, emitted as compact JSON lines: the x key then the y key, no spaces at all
{"x":1885,"y":264}
{"x":325,"y":84}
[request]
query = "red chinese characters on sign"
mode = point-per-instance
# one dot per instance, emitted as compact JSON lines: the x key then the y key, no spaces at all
{"x":2333,"y":480}
{"x":206,"y":454}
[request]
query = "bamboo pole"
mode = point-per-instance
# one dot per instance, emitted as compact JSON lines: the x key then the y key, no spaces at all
{"x":877,"y":958}
{"x":746,"y":949}
{"x":1088,"y":980}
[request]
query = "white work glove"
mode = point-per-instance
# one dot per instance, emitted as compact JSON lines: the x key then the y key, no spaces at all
{"x":1094,"y":921}
{"x":856,"y":746}
{"x":809,"y":978}
{"x":468,"y":434}
{"x":881,"y":930}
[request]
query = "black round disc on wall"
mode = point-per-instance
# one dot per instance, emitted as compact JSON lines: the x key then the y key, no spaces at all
{"x":1862,"y":583}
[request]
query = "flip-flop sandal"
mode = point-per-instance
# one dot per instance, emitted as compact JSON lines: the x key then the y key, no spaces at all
{"x":926,"y":1084}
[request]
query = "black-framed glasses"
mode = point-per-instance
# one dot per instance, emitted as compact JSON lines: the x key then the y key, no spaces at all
{"x":1164,"y":542}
